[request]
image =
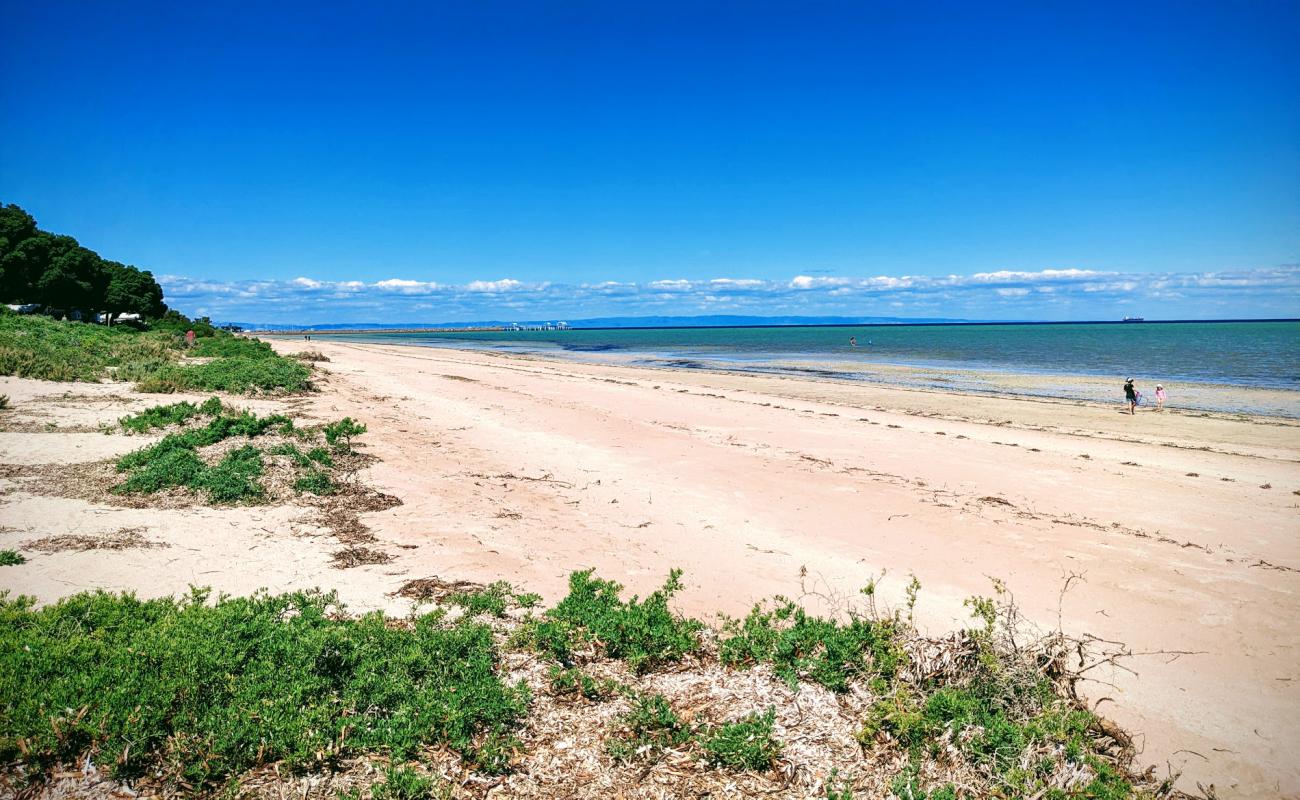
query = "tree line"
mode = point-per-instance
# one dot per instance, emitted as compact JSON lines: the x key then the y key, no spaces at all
{"x":56,"y":272}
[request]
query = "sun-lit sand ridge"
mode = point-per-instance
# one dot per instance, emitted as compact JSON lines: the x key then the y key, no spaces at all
{"x":1183,"y":527}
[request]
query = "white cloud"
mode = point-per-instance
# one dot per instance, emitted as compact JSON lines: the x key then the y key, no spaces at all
{"x":1273,"y":291}
{"x":406,"y":286}
{"x":503,"y":285}
{"x":738,"y":283}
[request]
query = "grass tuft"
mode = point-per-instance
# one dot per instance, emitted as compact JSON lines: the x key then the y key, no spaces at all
{"x":821,"y":650}
{"x":647,"y":729}
{"x":645,"y":634}
{"x":748,"y":744}
{"x":11,"y":558}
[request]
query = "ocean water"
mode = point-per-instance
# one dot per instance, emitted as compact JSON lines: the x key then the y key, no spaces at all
{"x":1258,"y":354}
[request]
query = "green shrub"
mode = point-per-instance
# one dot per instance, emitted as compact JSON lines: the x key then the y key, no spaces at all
{"x":647,"y":729}
{"x":11,"y":558}
{"x":645,"y":634}
{"x":38,"y":347}
{"x":168,"y":467}
{"x":177,"y":324}
{"x":573,"y":681}
{"x":822,"y":650}
{"x":403,"y":783}
{"x":240,"y":375}
{"x":748,"y":744}
{"x":314,"y":482}
{"x":233,"y":479}
{"x":46,"y":349}
{"x":291,"y":450}
{"x":4,"y":401}
{"x":231,"y":347}
{"x":196,"y":692}
{"x":217,"y":430}
{"x":339,"y":434}
{"x":158,"y":417}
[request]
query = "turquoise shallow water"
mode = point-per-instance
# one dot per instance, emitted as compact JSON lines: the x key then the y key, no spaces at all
{"x":1257,"y":354}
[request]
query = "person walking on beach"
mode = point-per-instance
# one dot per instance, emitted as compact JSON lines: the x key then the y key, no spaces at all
{"x":1160,"y":397}
{"x":1130,"y":394}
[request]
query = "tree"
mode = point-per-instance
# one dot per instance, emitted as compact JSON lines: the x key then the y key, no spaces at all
{"x":37,"y":266}
{"x":15,"y":226}
{"x":131,"y":290}
{"x":25,"y":264}
{"x":70,"y":280}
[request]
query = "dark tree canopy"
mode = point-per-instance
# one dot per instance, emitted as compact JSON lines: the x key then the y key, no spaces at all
{"x":41,"y":267}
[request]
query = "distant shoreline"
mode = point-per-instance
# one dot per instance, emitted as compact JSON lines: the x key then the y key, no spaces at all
{"x":502,"y":328}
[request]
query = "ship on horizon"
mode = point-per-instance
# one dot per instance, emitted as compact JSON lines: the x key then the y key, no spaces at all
{"x":1135,"y":319}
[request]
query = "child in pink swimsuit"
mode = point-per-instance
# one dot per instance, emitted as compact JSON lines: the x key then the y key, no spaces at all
{"x":1160,"y":397}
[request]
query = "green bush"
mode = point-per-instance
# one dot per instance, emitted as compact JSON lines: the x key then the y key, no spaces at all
{"x":240,"y":375}
{"x":159,"y":417}
{"x":314,"y":482}
{"x":11,"y":558}
{"x":403,"y":783}
{"x":219,"y":429}
{"x":748,"y":744}
{"x":495,"y":599}
{"x":647,"y":729}
{"x":339,"y":434}
{"x":231,"y":347}
{"x":196,"y":692}
{"x":822,"y":650}
{"x":291,"y":450}
{"x":178,"y":324}
{"x":234,"y":478}
{"x":645,"y":634}
{"x":39,"y":347}
{"x":168,"y":467}
{"x":573,"y":681}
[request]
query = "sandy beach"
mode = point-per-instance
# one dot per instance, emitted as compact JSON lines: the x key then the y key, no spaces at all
{"x":1181,"y":527}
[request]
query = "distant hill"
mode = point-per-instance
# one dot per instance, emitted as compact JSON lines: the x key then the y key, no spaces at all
{"x":705,"y":321}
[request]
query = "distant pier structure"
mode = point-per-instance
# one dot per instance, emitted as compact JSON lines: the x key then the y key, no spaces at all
{"x":539,"y":326}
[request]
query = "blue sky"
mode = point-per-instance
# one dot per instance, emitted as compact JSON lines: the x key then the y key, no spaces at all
{"x":309,"y":162}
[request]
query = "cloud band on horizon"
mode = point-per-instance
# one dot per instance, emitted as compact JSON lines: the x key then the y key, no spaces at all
{"x":1007,"y":294}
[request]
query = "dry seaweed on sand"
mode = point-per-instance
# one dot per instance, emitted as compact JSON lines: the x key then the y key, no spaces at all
{"x":310,"y":355}
{"x":358,"y":556}
{"x":435,"y":589}
{"x":120,"y":539}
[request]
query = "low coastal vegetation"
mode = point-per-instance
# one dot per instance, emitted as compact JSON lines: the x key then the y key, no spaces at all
{"x":196,"y":459}
{"x":157,"y":360}
{"x":195,"y":695}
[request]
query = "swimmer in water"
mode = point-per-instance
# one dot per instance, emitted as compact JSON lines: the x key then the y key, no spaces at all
{"x":853,"y":341}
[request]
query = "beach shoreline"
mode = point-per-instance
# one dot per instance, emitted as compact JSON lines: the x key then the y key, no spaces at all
{"x":1194,"y":396}
{"x":1182,"y":527}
